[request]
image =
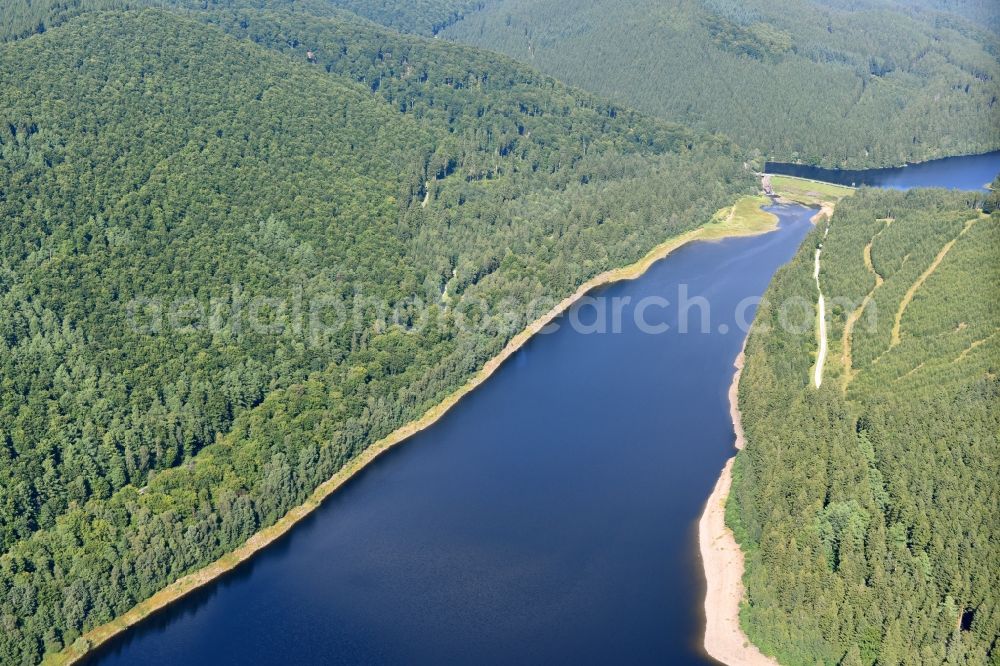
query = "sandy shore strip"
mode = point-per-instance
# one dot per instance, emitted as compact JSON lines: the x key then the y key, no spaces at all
{"x":93,"y":638}
{"x":721,"y":556}
{"x":723,"y":561}
{"x":825,"y":210}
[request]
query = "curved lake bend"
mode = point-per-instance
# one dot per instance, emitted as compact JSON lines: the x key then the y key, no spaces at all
{"x":967,"y":172}
{"x":551,"y":516}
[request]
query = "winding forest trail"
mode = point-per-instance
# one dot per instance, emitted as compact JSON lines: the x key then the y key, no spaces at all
{"x":853,"y":318}
{"x":972,"y":347}
{"x":912,"y":291}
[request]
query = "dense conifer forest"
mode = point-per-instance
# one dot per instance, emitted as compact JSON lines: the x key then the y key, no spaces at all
{"x":244,"y":239}
{"x":857,"y":84}
{"x":867,"y":509}
{"x":228,"y":267}
{"x":842,"y":84}
{"x":21,"y":18}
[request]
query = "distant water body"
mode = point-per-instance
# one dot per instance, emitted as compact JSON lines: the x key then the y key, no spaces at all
{"x":967,"y":172}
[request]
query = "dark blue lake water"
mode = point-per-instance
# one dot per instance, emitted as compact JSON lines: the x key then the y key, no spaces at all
{"x":969,"y":172}
{"x":549,"y":517}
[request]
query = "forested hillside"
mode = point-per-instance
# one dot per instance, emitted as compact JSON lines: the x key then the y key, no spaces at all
{"x":839,"y":84}
{"x":983,"y":12}
{"x":833,"y":83}
{"x":21,"y":18}
{"x":226,"y":269}
{"x":868,"y":509}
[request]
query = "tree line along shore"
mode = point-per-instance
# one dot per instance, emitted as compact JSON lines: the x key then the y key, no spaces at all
{"x":863,"y":507}
{"x":164,"y":152}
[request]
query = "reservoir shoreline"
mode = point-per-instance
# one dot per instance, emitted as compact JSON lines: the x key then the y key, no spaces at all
{"x":902,"y":165}
{"x":348,"y":537}
{"x":723,"y":559}
{"x":722,"y":227}
{"x":721,"y":556}
{"x":965,"y":172}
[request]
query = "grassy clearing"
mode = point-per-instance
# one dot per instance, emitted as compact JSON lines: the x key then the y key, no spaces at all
{"x":809,"y":192}
{"x":745,"y":216}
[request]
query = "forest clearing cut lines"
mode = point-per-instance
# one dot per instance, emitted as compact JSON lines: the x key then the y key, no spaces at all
{"x":910,"y":372}
{"x":911,"y":292}
{"x":853,"y":318}
{"x":968,"y":350}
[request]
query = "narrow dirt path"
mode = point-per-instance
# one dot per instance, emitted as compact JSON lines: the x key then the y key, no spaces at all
{"x":911,"y":292}
{"x":852,"y":319}
{"x":968,"y":350}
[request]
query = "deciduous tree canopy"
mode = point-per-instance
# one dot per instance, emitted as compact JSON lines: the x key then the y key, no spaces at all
{"x":180,"y":191}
